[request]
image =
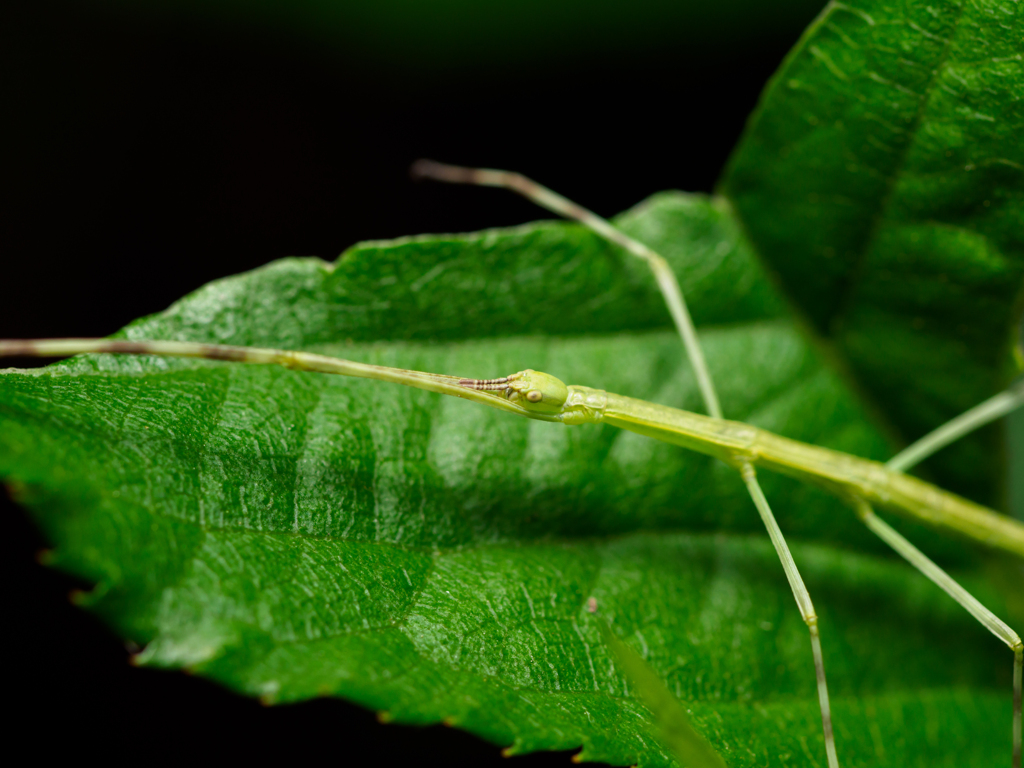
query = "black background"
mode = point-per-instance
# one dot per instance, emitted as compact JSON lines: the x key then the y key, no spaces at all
{"x":147,"y":155}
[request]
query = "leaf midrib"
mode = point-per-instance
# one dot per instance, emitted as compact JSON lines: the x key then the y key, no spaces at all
{"x":853,"y":279}
{"x":826,"y":343}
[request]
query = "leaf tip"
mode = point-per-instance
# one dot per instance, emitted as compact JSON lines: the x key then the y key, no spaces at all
{"x":586,"y":754}
{"x":513,"y":749}
{"x":15,"y":490}
{"x":141,"y":656}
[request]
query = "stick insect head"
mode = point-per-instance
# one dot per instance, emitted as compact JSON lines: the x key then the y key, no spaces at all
{"x":533,"y":390}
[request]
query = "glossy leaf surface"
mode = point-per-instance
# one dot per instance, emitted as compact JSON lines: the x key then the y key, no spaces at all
{"x":294,"y":535}
{"x":882,"y":179}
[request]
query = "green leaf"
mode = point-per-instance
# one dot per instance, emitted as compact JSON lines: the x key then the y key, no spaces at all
{"x":673,"y":726}
{"x":882,"y":179}
{"x":294,"y":535}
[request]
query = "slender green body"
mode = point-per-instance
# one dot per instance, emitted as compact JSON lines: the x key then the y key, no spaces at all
{"x":848,"y":477}
{"x":840,"y":473}
{"x":541,"y":396}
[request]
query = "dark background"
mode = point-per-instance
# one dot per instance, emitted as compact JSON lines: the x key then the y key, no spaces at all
{"x":148,"y":151}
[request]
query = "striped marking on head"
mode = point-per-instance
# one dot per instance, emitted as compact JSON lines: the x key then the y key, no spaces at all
{"x":487,"y":385}
{"x":535,"y":391}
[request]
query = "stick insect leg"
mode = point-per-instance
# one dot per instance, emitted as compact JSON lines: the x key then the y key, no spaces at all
{"x":546,"y":198}
{"x":995,"y":407}
{"x":673,"y":296}
{"x":988,"y":619}
{"x":803,"y":601}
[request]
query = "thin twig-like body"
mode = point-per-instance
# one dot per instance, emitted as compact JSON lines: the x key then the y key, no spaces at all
{"x":541,"y":396}
{"x":733,"y":442}
{"x":844,"y":475}
{"x":982,"y":414}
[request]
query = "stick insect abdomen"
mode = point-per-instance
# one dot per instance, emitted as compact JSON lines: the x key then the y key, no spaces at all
{"x":846,"y":476}
{"x":852,"y":477}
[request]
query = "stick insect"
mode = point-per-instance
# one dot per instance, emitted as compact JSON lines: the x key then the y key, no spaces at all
{"x":862,"y":484}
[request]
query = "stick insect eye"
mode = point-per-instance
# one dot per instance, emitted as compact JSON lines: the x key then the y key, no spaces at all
{"x":539,"y":392}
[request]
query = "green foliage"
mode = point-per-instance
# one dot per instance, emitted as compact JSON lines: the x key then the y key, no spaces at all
{"x":673,"y":726}
{"x":293,"y":535}
{"x":882,"y":179}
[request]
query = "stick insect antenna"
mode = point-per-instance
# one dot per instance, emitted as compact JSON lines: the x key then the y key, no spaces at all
{"x":486,"y":385}
{"x":470,"y":389}
{"x":546,"y":198}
